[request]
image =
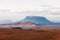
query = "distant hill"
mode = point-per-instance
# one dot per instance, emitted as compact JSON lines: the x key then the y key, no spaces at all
{"x":30,"y":22}
{"x":6,"y":22}
{"x":38,"y":20}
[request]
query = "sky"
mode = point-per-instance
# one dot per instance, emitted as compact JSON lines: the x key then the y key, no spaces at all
{"x":18,"y":9}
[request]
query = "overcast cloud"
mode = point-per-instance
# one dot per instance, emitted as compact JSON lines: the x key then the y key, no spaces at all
{"x":18,"y":9}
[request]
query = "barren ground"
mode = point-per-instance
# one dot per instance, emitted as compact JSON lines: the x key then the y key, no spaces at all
{"x":12,"y":34}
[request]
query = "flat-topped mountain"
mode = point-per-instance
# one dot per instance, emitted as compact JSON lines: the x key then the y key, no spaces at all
{"x":37,"y":20}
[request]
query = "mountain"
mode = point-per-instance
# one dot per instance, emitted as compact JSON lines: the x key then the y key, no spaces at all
{"x":38,"y":20}
{"x":30,"y":22}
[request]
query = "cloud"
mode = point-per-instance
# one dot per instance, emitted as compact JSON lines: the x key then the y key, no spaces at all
{"x":16,"y":16}
{"x":20,"y":5}
{"x":46,"y":8}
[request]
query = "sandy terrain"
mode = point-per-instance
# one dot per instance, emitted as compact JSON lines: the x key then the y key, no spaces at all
{"x":13,"y":34}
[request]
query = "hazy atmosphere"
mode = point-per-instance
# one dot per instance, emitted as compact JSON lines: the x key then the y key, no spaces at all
{"x":16,"y":10}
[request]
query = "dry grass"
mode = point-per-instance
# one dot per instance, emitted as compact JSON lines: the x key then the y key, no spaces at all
{"x":11,"y":34}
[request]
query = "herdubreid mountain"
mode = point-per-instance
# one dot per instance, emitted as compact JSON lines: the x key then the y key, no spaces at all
{"x":39,"y":20}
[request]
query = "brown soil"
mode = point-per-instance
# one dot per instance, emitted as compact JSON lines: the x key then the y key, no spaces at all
{"x":10,"y":34}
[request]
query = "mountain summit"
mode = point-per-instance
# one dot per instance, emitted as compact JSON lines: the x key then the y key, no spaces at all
{"x":37,"y":20}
